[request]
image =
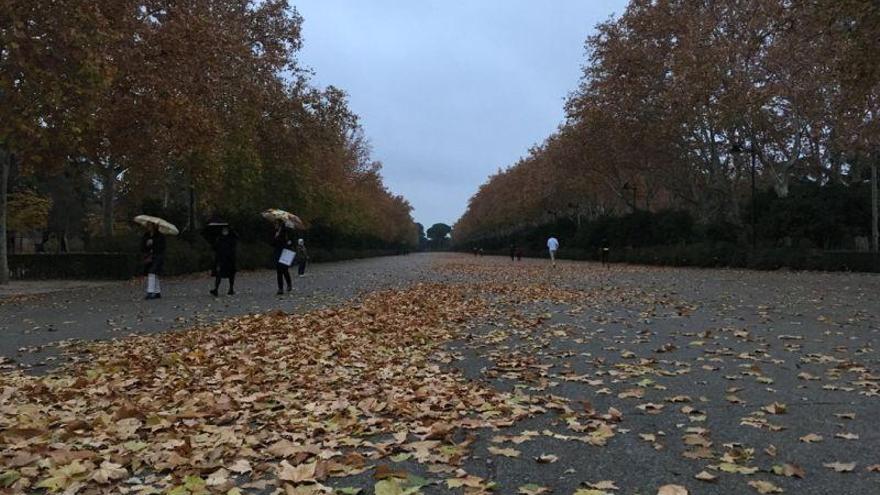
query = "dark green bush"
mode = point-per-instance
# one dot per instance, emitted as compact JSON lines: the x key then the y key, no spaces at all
{"x":94,"y":266}
{"x":717,"y":255}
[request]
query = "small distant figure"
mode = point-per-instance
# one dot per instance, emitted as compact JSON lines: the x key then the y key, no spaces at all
{"x":553,"y":246}
{"x":302,"y":257}
{"x":225,"y":247}
{"x":513,"y":252}
{"x":605,"y":252}
{"x":153,"y":248}
{"x":283,"y":256}
{"x":476,"y":252}
{"x":482,"y":252}
{"x":519,"y":254}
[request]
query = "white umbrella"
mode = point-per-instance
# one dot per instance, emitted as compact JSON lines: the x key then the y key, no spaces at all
{"x":290,"y":220}
{"x":164,"y":226}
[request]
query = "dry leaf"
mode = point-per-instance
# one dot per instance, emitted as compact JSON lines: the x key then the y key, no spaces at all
{"x":505,"y":452}
{"x":706,"y":476}
{"x":790,"y":470}
{"x":109,"y":472}
{"x":603,"y":485}
{"x":841,"y":467}
{"x":811,"y":438}
{"x":775,"y":408}
{"x":765,"y":487}
{"x":297,"y":474}
{"x":672,"y":490}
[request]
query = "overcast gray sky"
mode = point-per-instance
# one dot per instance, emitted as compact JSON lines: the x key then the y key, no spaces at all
{"x":450,"y":91}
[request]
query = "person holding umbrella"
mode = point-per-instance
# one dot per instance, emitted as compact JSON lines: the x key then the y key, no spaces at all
{"x":283,"y":256}
{"x":153,"y":249}
{"x":283,"y":244}
{"x":224,"y":258}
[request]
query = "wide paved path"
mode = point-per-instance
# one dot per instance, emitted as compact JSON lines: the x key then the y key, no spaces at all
{"x":635,"y":377}
{"x":32,"y":328}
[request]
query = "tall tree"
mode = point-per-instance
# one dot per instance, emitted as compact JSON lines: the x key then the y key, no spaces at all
{"x":49,"y":74}
{"x":438,"y":235}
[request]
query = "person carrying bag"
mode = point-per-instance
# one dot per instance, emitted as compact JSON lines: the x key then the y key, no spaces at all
{"x":284,"y":256}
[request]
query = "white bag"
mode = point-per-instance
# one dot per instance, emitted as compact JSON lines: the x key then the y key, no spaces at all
{"x":286,"y":257}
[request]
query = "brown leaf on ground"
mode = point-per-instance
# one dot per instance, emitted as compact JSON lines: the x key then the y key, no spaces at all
{"x":706,"y":476}
{"x":765,"y":487}
{"x":672,"y":490}
{"x":841,"y":467}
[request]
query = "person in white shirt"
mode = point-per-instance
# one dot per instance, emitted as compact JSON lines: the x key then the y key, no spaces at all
{"x":553,"y":246}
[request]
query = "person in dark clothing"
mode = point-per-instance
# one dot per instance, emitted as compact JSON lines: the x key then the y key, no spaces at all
{"x":280,"y":242}
{"x":513,"y":252}
{"x":604,"y":253}
{"x":519,"y":254}
{"x":153,"y":248}
{"x":224,"y":259}
{"x":302,"y":257}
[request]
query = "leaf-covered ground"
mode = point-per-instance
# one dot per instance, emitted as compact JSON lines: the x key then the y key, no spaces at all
{"x":490,"y":377}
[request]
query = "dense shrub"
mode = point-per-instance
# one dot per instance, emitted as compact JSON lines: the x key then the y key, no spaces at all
{"x":717,"y":255}
{"x":119,"y":257}
{"x":811,"y":216}
{"x":93,"y":266}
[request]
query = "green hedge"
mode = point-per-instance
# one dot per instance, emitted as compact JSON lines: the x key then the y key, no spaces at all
{"x":717,"y":255}
{"x":182,"y":257}
{"x":94,"y":266}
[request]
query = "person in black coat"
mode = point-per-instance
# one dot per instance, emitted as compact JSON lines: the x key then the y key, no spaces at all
{"x":281,"y":241}
{"x":302,"y":257}
{"x":153,"y":248}
{"x":224,"y":259}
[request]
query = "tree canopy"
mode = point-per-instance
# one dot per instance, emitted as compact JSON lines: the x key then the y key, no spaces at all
{"x":673,"y":88}
{"x":200,"y":107}
{"x":438,"y":235}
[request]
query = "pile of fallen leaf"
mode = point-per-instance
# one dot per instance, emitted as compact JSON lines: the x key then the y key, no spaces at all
{"x":256,"y":402}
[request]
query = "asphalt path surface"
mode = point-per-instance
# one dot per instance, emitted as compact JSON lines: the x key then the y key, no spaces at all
{"x":33,"y":328}
{"x":735,"y":362}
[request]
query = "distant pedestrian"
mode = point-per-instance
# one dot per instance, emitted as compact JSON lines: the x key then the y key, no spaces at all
{"x":519,"y":254}
{"x":513,"y":252}
{"x":302,"y":257}
{"x":224,"y":259}
{"x":284,"y":255}
{"x":553,"y":246}
{"x":605,"y":252}
{"x":153,"y":249}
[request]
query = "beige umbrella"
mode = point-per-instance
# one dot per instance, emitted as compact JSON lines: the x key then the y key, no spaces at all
{"x":290,"y":220}
{"x":164,"y":226}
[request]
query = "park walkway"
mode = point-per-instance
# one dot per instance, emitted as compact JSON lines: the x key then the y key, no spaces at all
{"x":35,"y":320}
{"x":474,"y":375}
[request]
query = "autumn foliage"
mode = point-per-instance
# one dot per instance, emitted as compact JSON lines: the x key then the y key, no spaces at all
{"x":200,"y":106}
{"x":671,"y":90}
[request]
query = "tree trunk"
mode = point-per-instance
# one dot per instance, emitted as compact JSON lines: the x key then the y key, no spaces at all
{"x":5,"y":165}
{"x":107,"y":195}
{"x":875,"y":236}
{"x":191,"y":209}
